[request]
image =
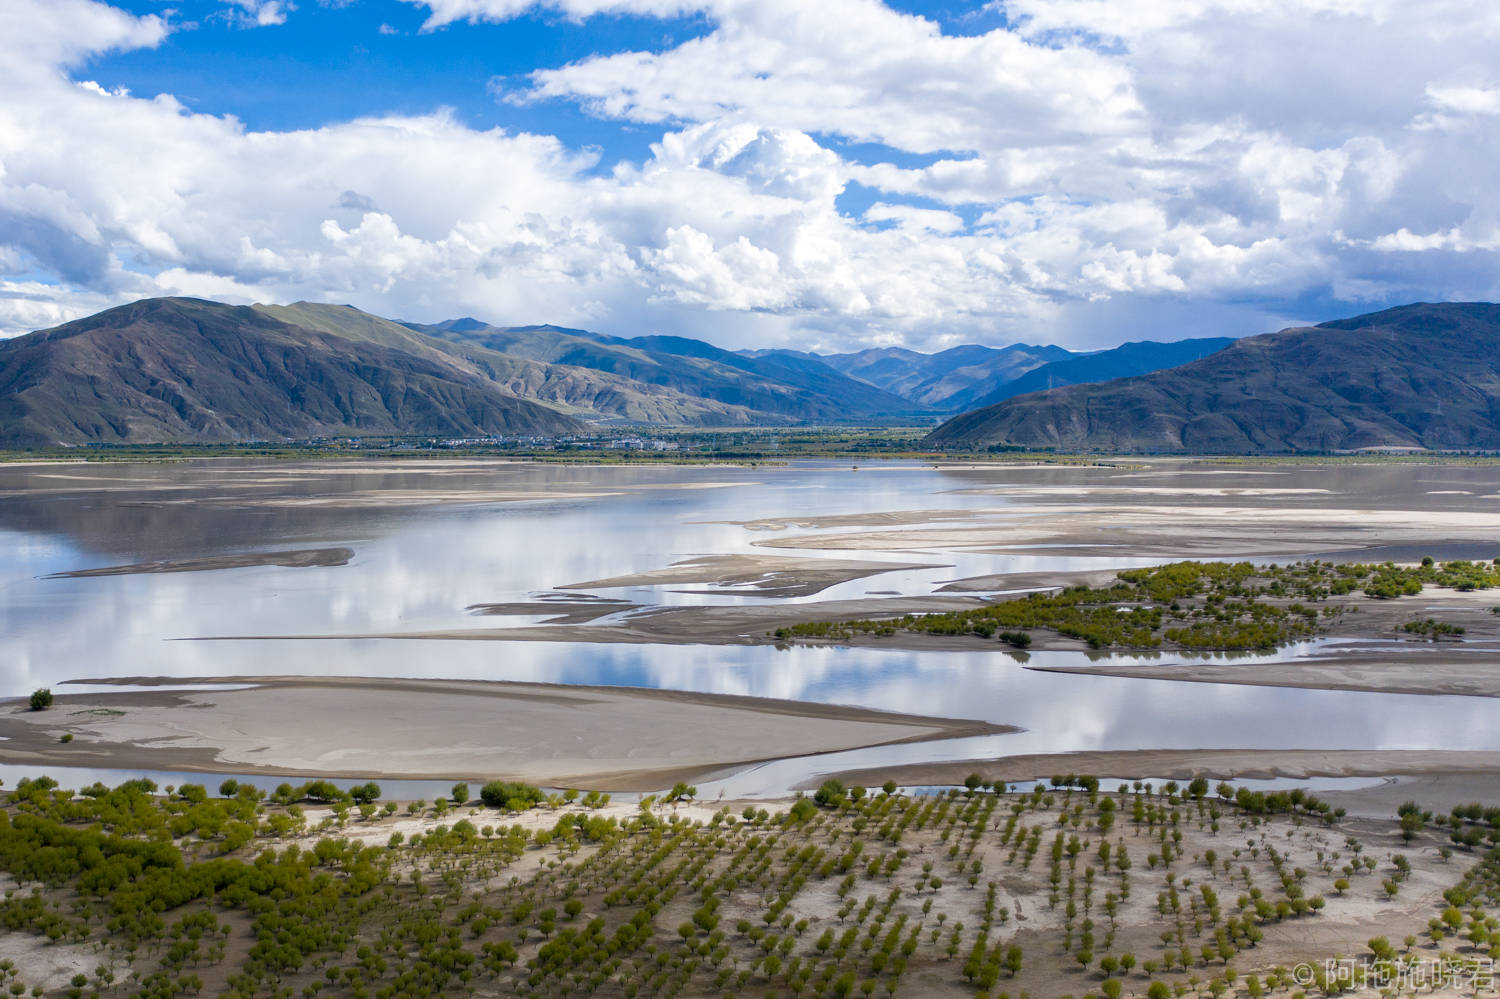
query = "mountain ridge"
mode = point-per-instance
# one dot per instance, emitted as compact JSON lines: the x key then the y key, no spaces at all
{"x":950,"y":380}
{"x":1135,"y":357}
{"x":1425,"y":375}
{"x":180,"y":369}
{"x":767,"y":389}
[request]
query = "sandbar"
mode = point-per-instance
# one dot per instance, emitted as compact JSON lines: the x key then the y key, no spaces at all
{"x":1434,"y":672}
{"x":579,"y":611}
{"x":610,"y":738}
{"x":736,"y":624}
{"x":1162,"y":530}
{"x":767,"y":575}
{"x":1030,"y":581}
{"x":302,"y":558}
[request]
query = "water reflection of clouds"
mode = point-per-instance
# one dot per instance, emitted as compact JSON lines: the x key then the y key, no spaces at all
{"x":418,"y":569}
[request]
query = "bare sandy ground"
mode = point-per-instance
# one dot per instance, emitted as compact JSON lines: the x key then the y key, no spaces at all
{"x":713,"y":625}
{"x":1422,"y":673}
{"x":1144,"y":527}
{"x":334,"y":484}
{"x":579,"y":611}
{"x":768,"y":575}
{"x":870,"y":518}
{"x":1010,"y":581}
{"x":599,"y":737}
{"x":382,"y":498}
{"x":296,"y":559}
{"x":1185,"y":764}
{"x":1440,"y":793}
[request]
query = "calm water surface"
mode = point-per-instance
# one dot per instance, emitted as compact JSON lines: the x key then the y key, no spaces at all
{"x":417,"y":567}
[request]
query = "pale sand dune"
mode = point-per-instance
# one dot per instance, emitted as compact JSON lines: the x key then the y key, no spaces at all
{"x":599,"y":737}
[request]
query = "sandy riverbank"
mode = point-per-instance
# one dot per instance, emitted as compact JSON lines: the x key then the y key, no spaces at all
{"x":1142,"y":526}
{"x":1185,"y":764}
{"x":610,"y":738}
{"x":1437,"y":779}
{"x":1420,"y":672}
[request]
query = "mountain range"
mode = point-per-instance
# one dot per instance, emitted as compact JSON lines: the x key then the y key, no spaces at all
{"x":188,"y":370}
{"x":185,"y":370}
{"x":1136,"y":358}
{"x":685,"y":381}
{"x":1417,"y":376}
{"x":949,"y":381}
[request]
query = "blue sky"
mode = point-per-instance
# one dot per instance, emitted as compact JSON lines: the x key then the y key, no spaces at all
{"x":754,"y":172}
{"x":326,"y":64}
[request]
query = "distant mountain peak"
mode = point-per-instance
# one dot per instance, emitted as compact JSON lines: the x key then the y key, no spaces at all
{"x":466,"y":324}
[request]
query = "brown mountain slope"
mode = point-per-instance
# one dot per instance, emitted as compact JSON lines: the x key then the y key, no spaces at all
{"x":570,"y":388}
{"x":775,"y":386}
{"x":1416,"y":376}
{"x":187,"y":370}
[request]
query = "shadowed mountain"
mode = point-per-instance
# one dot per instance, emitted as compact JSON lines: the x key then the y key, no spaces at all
{"x":177,"y":369}
{"x":1415,"y":376}
{"x":775,"y":387}
{"x":949,"y":381}
{"x":1138,"y":358}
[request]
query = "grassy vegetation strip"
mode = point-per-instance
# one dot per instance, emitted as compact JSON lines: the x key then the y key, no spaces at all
{"x":1186,"y":605}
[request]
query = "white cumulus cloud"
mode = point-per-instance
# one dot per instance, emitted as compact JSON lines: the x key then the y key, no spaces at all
{"x":821,"y":174}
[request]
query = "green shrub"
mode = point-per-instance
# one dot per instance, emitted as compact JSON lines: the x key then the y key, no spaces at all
{"x":830,"y":793}
{"x":507,"y":794}
{"x":364,"y":794}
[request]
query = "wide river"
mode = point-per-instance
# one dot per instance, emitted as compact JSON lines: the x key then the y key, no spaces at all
{"x":510,"y":532}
